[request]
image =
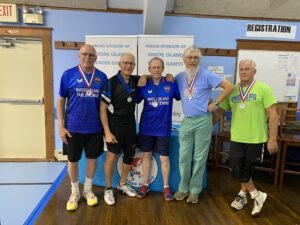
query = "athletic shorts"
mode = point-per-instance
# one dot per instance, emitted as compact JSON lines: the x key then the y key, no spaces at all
{"x":160,"y":145}
{"x":250,"y":152}
{"x":92,"y":144}
{"x":126,"y":141}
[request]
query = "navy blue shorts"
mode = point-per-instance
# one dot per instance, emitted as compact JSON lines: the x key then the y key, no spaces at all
{"x":160,"y":145}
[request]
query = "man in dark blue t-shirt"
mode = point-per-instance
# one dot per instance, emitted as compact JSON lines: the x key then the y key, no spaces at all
{"x":79,"y":122}
{"x":156,"y":123}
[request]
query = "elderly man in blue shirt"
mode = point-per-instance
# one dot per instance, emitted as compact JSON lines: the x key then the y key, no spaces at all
{"x":195,"y":86}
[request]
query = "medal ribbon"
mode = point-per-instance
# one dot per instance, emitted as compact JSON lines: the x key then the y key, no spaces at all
{"x":191,"y":85}
{"x":245,"y":94}
{"x":84,"y":77}
{"x":124,"y":84}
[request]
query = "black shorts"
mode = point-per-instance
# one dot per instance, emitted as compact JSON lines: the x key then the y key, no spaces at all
{"x":152,"y":143}
{"x":126,"y":141}
{"x":250,"y":152}
{"x":91,"y":143}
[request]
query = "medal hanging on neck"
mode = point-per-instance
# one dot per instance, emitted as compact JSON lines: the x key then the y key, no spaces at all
{"x":126,"y":87}
{"x":189,"y":91}
{"x":89,"y":91}
{"x":245,"y":94}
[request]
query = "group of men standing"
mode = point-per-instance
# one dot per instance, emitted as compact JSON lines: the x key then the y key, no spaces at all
{"x":91,"y":107}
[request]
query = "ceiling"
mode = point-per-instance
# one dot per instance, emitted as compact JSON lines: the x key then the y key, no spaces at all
{"x":154,"y":10}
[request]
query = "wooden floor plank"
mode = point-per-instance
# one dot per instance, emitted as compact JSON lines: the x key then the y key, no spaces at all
{"x":281,"y":207}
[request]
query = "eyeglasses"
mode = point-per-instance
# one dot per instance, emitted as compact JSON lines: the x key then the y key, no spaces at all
{"x":87,"y":54}
{"x":128,"y":63}
{"x":192,"y":58}
{"x":156,"y":67}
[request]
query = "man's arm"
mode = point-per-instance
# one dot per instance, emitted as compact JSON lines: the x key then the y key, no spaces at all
{"x":227,"y":89}
{"x":109,"y":137}
{"x":273,"y":129}
{"x":60,"y":111}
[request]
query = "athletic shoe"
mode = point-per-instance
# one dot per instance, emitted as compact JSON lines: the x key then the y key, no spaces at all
{"x":239,"y":202}
{"x":192,"y":198}
{"x":179,"y":196}
{"x":125,"y":188}
{"x":142,"y":191}
{"x":259,"y":201}
{"x":109,"y":197}
{"x":167,"y":194}
{"x":72,"y":203}
{"x":90,"y":197}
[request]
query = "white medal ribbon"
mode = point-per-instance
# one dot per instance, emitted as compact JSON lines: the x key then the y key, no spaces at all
{"x":88,"y":84}
{"x":190,"y":86}
{"x":245,"y":94}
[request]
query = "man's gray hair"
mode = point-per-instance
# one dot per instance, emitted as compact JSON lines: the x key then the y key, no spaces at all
{"x":159,"y":59}
{"x":252,"y":63}
{"x":127,"y":53}
{"x":191,"y":49}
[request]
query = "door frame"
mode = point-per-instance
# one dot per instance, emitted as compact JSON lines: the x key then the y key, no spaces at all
{"x":45,"y":34}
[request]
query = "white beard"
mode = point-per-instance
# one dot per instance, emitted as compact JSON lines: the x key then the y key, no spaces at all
{"x":190,"y":74}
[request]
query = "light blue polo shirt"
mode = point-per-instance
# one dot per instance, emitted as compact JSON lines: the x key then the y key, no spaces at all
{"x":205,"y":81}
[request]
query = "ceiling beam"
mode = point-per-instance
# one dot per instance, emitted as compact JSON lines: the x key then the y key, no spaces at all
{"x":154,"y":12}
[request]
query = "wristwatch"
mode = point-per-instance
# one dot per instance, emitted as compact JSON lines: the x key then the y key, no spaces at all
{"x":216,"y":103}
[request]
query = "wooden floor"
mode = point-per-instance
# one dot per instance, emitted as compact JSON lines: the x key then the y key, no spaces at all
{"x":282,"y":206}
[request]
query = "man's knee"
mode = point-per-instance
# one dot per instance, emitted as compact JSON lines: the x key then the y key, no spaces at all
{"x":240,"y":169}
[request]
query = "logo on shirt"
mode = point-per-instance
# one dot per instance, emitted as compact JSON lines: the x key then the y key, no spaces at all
{"x":135,"y":176}
{"x":97,"y":80}
{"x":149,"y":91}
{"x":79,"y":80}
{"x":167,"y":88}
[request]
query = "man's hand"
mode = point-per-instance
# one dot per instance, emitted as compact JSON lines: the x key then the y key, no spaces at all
{"x":110,"y":138}
{"x":63,"y":132}
{"x":211,"y":107}
{"x":272,"y":146}
{"x":142,"y":81}
{"x":170,"y":78}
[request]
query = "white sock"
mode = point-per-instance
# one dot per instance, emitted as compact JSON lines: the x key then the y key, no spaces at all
{"x":242,"y":193}
{"x":87,"y":185}
{"x":75,"y":187}
{"x":254,"y":193}
{"x":166,"y":186}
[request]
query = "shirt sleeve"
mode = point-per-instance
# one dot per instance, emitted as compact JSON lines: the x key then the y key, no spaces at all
{"x":269,"y":98}
{"x":106,"y":93}
{"x":63,"y":88}
{"x":139,"y":97}
{"x":176,"y":93}
{"x":213,"y":79}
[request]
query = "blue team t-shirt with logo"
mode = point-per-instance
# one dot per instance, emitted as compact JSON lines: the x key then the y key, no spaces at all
{"x":156,"y":118}
{"x":82,"y":108}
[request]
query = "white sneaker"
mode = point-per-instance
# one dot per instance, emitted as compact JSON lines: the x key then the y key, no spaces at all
{"x":109,"y":197}
{"x":259,"y":201}
{"x":239,"y":202}
{"x":127,"y":190}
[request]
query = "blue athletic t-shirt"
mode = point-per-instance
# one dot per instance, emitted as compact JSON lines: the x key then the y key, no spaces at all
{"x":82,"y":108}
{"x":156,"y":118}
{"x":201,"y":92}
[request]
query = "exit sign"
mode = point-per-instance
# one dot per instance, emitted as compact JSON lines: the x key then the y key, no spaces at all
{"x":9,"y":13}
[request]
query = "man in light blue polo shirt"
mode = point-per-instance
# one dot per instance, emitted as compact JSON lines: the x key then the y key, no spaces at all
{"x":195,"y":85}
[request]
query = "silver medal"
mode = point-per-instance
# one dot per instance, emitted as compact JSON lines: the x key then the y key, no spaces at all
{"x":155,"y":104}
{"x":129,"y":99}
{"x":242,"y":105}
{"x":89,"y":92}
